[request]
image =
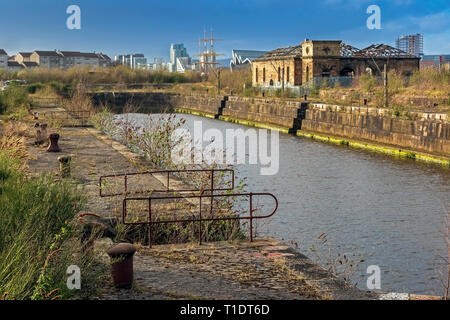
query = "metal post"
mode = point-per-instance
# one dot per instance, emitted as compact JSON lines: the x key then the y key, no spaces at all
{"x":218,"y":81}
{"x":251,"y":217}
{"x":386,"y":98}
{"x":212,"y":188}
{"x":168,"y":181}
{"x":200,"y":223}
{"x":149,"y":222}
{"x":126,"y":184}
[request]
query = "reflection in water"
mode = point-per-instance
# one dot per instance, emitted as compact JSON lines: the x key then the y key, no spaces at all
{"x":388,"y":211}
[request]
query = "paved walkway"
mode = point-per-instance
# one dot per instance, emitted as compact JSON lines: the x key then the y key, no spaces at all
{"x":265,"y":269}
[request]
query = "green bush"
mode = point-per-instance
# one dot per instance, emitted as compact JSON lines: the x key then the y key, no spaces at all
{"x":34,"y":87}
{"x":14,"y":99}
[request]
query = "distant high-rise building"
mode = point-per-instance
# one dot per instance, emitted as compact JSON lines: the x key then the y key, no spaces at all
{"x":134,"y":61}
{"x":412,"y":44}
{"x":177,"y":51}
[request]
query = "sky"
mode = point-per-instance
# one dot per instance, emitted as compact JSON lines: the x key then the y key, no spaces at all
{"x":150,"y":26}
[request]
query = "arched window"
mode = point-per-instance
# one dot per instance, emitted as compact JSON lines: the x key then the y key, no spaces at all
{"x":307,"y":73}
{"x":287,"y":74}
{"x":271,"y":82}
{"x":264,"y":75}
{"x":256,"y":75}
{"x":279,"y":74}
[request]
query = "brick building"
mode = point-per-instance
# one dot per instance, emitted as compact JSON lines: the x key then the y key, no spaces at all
{"x":314,"y":60}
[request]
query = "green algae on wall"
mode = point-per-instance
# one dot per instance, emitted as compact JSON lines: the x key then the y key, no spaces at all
{"x":377,"y":148}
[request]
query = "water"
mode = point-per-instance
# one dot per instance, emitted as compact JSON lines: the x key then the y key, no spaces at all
{"x":389,"y":212}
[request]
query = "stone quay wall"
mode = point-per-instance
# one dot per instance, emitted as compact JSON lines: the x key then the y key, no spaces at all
{"x":422,"y":132}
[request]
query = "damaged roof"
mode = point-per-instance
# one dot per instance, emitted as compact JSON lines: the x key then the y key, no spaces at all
{"x":382,"y":51}
{"x":347,"y":51}
{"x":282,"y":53}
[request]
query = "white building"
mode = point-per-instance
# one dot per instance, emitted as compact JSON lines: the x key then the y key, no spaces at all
{"x":49,"y":59}
{"x":71,"y":59}
{"x":14,"y":66}
{"x":3,"y":59}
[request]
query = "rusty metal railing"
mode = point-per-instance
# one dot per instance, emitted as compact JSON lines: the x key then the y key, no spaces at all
{"x":211,"y":185}
{"x":150,"y":221}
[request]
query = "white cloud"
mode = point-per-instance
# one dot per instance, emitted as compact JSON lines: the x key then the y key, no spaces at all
{"x":433,"y":22}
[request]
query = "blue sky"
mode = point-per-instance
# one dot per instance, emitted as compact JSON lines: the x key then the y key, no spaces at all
{"x":150,"y":26}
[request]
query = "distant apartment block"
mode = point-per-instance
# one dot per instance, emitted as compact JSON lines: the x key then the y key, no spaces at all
{"x":69,"y":59}
{"x":14,"y":66}
{"x":52,"y":59}
{"x":23,"y":57}
{"x":137,"y":60}
{"x":48,"y":59}
{"x":3,"y":59}
{"x":412,"y":44}
{"x":158,"y":64}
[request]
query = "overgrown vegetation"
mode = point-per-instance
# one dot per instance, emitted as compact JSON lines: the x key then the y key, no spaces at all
{"x":39,"y":236}
{"x":111,"y":75}
{"x":427,"y":89}
{"x":154,"y":140}
{"x":14,"y":101}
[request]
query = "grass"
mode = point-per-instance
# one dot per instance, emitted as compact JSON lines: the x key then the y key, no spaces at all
{"x":15,"y":102}
{"x":111,"y":75}
{"x":39,"y":236}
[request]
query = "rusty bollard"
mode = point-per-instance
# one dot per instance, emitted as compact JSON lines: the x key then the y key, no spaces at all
{"x":53,"y":139}
{"x":64,"y":166}
{"x":41,"y":133}
{"x":122,"y":264}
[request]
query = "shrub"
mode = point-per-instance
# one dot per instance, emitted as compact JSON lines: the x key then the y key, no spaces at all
{"x":14,"y":99}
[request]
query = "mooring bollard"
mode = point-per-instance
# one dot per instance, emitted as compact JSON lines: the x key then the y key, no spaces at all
{"x":64,"y":166}
{"x":305,"y":97}
{"x":41,"y":133}
{"x":43,"y":128}
{"x":53,"y":139}
{"x":122,"y":264}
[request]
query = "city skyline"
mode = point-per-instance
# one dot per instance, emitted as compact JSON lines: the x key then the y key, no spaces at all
{"x":254,"y":25}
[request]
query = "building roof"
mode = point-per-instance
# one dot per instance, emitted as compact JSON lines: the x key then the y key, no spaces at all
{"x":104,"y":56}
{"x":282,"y":53}
{"x":47,"y":53}
{"x":240,"y":56}
{"x":78,"y":54}
{"x":3,"y":52}
{"x":14,"y":64}
{"x":244,"y":57}
{"x":348,"y":50}
{"x":382,"y":51}
{"x":30,"y":64}
{"x":25,"y":54}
